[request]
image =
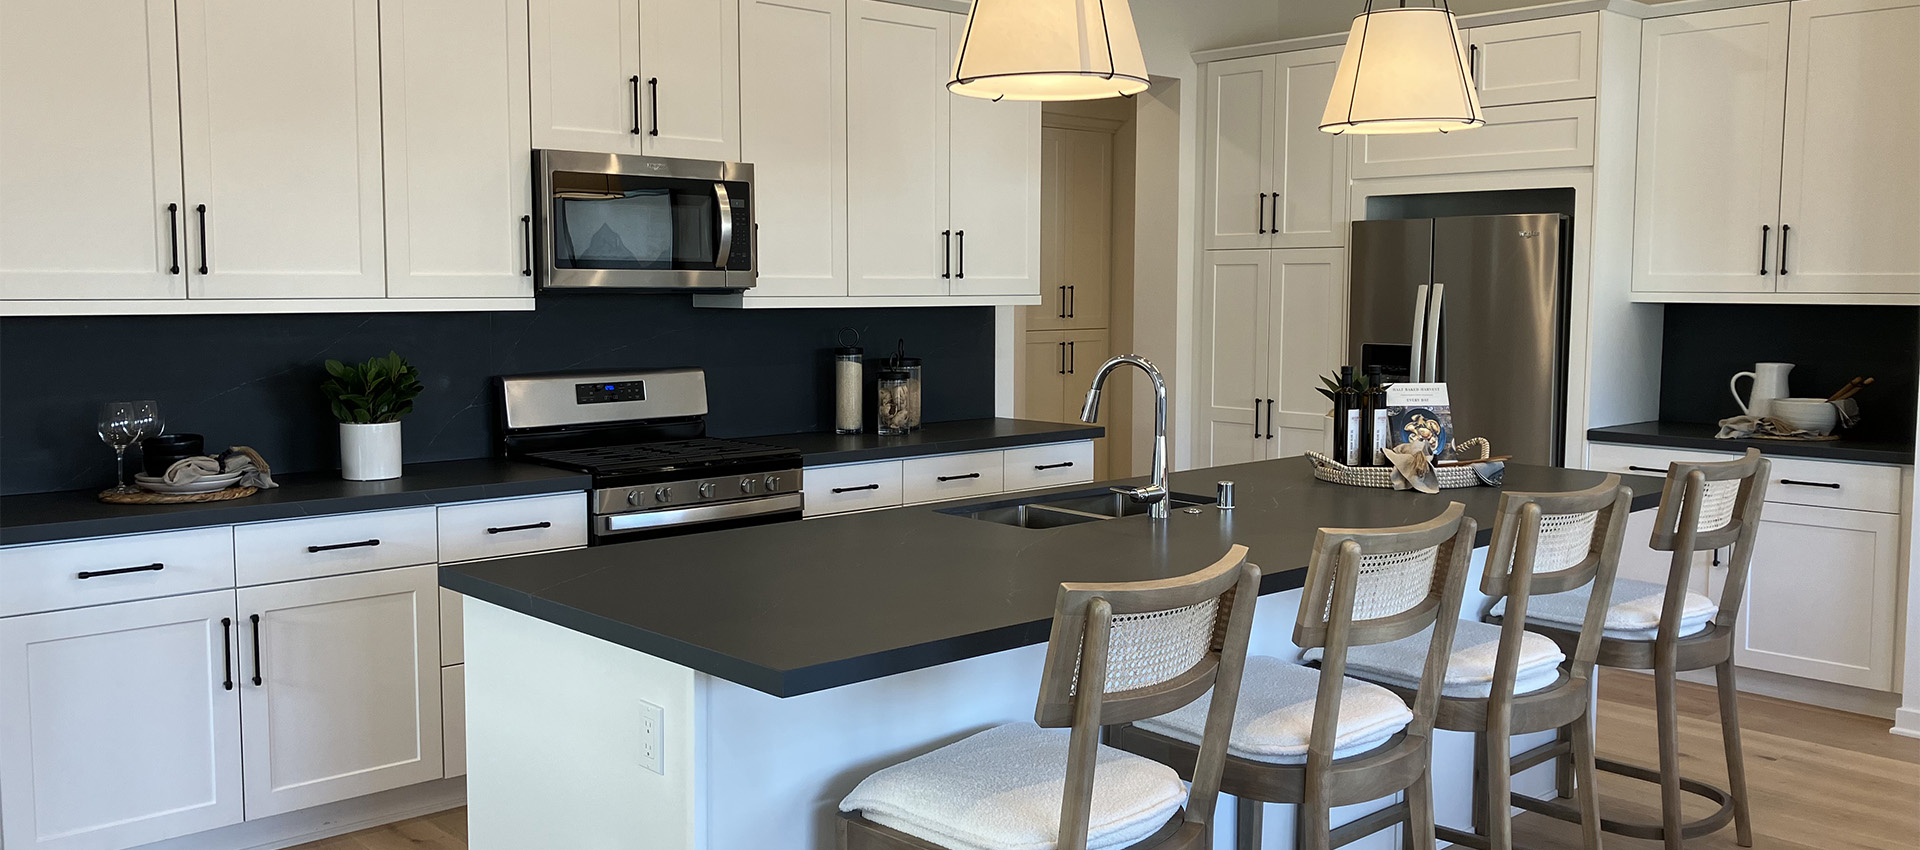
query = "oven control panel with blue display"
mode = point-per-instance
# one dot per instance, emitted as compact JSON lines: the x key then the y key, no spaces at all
{"x":606,"y":393}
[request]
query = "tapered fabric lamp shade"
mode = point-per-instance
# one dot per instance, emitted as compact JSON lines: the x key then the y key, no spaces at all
{"x":1049,"y":50}
{"x":1404,"y":71}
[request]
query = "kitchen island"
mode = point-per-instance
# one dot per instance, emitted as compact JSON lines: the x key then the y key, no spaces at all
{"x":725,"y":690}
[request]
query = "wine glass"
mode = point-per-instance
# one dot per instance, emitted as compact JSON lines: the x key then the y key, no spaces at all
{"x":123,"y":424}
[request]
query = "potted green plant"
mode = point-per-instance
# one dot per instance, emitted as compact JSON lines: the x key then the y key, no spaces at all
{"x":368,"y":399}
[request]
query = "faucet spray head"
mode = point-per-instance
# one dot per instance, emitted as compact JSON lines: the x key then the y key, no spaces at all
{"x":1091,"y":410}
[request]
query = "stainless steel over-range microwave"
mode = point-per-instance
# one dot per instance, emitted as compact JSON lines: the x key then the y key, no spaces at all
{"x":611,"y":221}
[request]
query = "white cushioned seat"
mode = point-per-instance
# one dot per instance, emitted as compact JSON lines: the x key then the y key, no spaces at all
{"x":1633,"y":615}
{"x":1476,"y":646}
{"x":1001,"y":789}
{"x":1274,"y":718}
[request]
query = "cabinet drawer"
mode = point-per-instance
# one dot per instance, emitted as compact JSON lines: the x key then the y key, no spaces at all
{"x":1515,"y":138}
{"x":1050,"y":465}
{"x":851,"y":487}
{"x":933,"y":479}
{"x":1536,"y":61}
{"x":1819,"y":483}
{"x":512,"y":527}
{"x":51,"y":576}
{"x":333,"y":545}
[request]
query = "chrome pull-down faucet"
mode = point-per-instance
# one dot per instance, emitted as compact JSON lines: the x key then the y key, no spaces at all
{"x":1154,"y":494}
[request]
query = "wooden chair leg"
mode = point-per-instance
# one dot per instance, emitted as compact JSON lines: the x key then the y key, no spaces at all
{"x":1499,"y":790}
{"x":1563,"y":767}
{"x":1666,"y":712}
{"x":1247,"y":823}
{"x":1586,"y":783}
{"x":1736,"y":761}
{"x":1420,"y":834}
{"x":1481,"y":805}
{"x":1316,"y":824}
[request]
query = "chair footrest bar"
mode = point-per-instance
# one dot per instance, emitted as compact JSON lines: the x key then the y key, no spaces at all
{"x":1541,"y":755}
{"x":1462,"y":838}
{"x":1367,"y":824}
{"x":1652,"y":832}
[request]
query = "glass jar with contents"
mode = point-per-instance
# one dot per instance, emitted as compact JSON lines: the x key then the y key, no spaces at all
{"x":912,"y":367}
{"x":894,"y":408}
{"x":848,"y":371}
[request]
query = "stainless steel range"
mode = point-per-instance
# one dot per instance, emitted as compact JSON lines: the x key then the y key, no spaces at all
{"x":642,"y":436}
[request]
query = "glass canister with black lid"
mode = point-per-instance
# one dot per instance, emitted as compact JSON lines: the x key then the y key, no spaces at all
{"x":893,"y":408}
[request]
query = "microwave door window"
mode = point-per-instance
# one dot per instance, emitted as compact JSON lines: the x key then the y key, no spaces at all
{"x":629,"y":231}
{"x":695,"y":223}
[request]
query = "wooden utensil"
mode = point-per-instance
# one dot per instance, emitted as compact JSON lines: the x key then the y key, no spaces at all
{"x":1852,"y":386}
{"x":1440,"y":463}
{"x":1853,"y":389}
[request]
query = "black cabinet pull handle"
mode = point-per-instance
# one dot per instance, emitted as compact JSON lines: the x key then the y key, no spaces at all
{"x":1260,"y":213}
{"x":1647,"y":469}
{"x":956,"y":477}
{"x":1825,"y":484}
{"x":173,"y":239}
{"x":526,"y":226}
{"x":354,"y":545}
{"x":1070,"y":357}
{"x":148,"y":568}
{"x":1063,"y":301}
{"x":1764,"y":230}
{"x":1256,"y":418}
{"x":1069,"y":301}
{"x":946,"y":254}
{"x":528,"y":527}
{"x":1275,"y":226}
{"x":1045,"y":466}
{"x":257,"y":681}
{"x":960,"y":268}
{"x":1716,"y":557}
{"x":1269,"y":419}
{"x":653,"y":108}
{"x":1784,"y":230}
{"x":856,"y":489}
{"x":635,"y":82}
{"x":1063,"y":357}
{"x":202,"y":209}
{"x":226,"y":651}
{"x":1473,"y":64}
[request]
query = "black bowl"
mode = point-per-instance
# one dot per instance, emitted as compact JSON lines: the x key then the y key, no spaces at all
{"x":158,"y":453}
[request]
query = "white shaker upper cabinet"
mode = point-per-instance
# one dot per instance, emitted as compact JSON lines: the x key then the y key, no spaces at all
{"x":280,"y":116}
{"x":1240,"y":152}
{"x":995,"y":206}
{"x":1234,"y":290}
{"x":119,"y":724}
{"x":1310,"y":166}
{"x":1707,"y":192}
{"x":1850,"y":185}
{"x":690,"y":70}
{"x":458,"y":184}
{"x":897,"y":137}
{"x":793,"y":128}
{"x":348,"y":697}
{"x":90,"y":151}
{"x":1555,"y":58}
{"x":585,"y":72}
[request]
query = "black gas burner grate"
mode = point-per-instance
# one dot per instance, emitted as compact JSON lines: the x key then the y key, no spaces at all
{"x":660,"y":456}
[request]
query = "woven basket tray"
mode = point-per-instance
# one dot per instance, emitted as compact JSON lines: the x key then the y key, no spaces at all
{"x":145,"y":498}
{"x":1451,"y":477}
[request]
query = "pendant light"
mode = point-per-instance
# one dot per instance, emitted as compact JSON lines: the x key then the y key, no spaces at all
{"x":1403,"y":71}
{"x":1049,"y":50}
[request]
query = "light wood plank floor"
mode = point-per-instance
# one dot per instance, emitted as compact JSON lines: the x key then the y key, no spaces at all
{"x":1820,"y":779}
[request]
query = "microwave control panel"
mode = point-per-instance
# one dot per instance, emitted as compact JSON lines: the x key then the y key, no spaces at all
{"x":741,"y":254}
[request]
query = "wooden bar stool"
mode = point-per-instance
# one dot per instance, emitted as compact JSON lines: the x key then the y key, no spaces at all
{"x":1666,"y":630}
{"x":1505,"y":680}
{"x":1317,"y":738}
{"x":1118,"y":653}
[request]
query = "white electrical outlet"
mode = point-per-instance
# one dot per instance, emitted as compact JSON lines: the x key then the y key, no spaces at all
{"x":652,"y":736}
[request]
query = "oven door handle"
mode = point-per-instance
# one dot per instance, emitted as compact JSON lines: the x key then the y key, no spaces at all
{"x":726,"y":225}
{"x":613,"y":524}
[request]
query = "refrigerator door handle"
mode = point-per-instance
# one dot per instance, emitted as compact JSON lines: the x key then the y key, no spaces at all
{"x":1414,"y":369}
{"x":1433,"y":333}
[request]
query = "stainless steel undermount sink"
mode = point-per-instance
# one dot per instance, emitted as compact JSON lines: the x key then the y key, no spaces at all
{"x":1063,"y":509}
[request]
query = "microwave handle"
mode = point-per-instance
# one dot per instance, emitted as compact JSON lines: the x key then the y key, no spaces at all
{"x":726,"y":225}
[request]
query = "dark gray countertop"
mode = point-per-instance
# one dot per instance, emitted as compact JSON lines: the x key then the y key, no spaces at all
{"x":797,"y":607}
{"x":966,"y":435}
{"x":1693,"y":435}
{"x":72,"y":514}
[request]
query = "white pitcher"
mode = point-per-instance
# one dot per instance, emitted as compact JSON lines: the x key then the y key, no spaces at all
{"x":1769,"y":383}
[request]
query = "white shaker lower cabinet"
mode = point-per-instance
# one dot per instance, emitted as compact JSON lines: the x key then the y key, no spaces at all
{"x":1820,"y":596}
{"x":119,"y":724}
{"x":1272,"y":323}
{"x":340,"y":686}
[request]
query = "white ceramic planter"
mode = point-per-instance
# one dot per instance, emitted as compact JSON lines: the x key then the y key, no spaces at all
{"x":369,"y":452}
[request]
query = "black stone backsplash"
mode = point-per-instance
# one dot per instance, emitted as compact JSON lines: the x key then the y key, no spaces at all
{"x":1705,"y":344}
{"x":253,"y":380}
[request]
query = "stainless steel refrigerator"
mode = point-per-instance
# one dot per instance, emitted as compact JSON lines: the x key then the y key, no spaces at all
{"x":1479,"y":302}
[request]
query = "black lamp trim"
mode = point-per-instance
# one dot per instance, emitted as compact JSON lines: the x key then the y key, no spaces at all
{"x":1465,"y":82}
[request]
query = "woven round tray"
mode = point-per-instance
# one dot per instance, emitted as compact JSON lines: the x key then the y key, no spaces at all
{"x":1451,"y":477}
{"x":146,"y":498}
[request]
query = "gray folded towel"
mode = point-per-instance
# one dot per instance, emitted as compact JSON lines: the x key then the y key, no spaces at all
{"x":242,"y":459}
{"x":1743,"y":427}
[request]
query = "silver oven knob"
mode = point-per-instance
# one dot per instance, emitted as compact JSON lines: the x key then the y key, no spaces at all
{"x":664,"y":494}
{"x":707,"y":490}
{"x":633,"y":497}
{"x":746,"y":485}
{"x":773,"y":483}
